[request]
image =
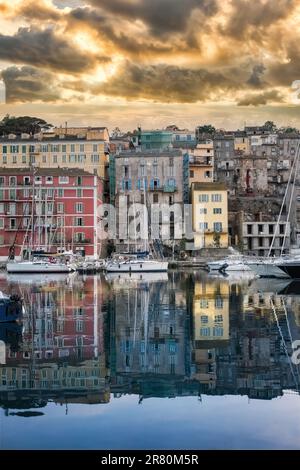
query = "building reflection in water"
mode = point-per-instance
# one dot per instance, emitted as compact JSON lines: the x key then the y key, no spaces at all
{"x":181,"y":334}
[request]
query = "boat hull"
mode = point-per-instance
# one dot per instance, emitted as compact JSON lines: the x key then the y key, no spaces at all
{"x":139,"y":267}
{"x":268,"y":270}
{"x":291,"y":269}
{"x":24,"y":268}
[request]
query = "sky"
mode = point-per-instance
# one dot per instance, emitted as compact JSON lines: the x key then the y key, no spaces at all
{"x":151,"y":62}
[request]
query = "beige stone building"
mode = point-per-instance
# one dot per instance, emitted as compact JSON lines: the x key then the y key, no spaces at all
{"x":202,"y":163}
{"x":51,"y":150}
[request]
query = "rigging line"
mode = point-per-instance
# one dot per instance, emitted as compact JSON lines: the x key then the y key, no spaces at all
{"x":284,"y":344}
{"x":284,"y":199}
{"x":290,"y":204}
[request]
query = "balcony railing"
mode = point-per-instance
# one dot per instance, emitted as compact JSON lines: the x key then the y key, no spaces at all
{"x":170,"y":188}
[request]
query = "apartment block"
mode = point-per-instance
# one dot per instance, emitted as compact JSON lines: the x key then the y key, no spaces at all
{"x":50,"y":209}
{"x":210,"y":215}
{"x":49,"y":150}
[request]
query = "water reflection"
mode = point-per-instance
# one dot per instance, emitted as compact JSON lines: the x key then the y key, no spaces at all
{"x":86,"y":339}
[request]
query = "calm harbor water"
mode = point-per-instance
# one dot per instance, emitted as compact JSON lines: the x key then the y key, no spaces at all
{"x":177,"y":361}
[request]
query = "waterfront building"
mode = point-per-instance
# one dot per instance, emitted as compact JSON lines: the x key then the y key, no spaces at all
{"x":53,"y":209}
{"x":60,"y":149}
{"x":210,"y":215}
{"x":202,"y":163}
{"x":150,"y":178}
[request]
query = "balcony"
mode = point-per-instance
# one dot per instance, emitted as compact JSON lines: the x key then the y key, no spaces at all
{"x":170,"y":188}
{"x":200,"y":161}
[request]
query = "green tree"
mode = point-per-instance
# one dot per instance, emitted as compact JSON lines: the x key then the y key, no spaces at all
{"x":22,"y":124}
{"x":206,"y":129}
{"x":271,"y":126}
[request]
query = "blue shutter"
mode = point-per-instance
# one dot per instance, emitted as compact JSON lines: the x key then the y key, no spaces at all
{"x":129,"y":184}
{"x":158,"y":183}
{"x":139,"y":184}
{"x":123,"y":185}
{"x":152,"y":184}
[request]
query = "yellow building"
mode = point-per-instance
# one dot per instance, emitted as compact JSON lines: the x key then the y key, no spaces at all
{"x":211,"y":327}
{"x":47,"y":150}
{"x":210,"y":215}
{"x":242,"y":144}
{"x":202,"y":163}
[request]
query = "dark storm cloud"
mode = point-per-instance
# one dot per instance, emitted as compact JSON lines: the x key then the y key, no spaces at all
{"x":165,"y":83}
{"x":28,"y":84}
{"x":45,"y":49}
{"x":257,"y":74}
{"x":161,"y":16}
{"x":256,"y":14}
{"x":105,"y":28}
{"x":261,"y":98}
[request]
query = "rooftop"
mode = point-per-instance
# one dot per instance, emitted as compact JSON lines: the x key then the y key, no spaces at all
{"x":209,"y":187}
{"x":44,"y":171}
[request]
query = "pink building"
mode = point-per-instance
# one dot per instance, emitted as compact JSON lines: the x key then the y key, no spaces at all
{"x":62,"y":215}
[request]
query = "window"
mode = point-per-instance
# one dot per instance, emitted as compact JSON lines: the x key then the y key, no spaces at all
{"x":49,"y":207}
{"x":79,"y":207}
{"x":12,"y":208}
{"x":203,"y":211}
{"x":207,"y":174}
{"x":38,"y":180}
{"x":32,"y":159}
{"x":2,"y":180}
{"x":55,"y":148}
{"x":4,"y":149}
{"x":81,"y":148}
{"x":14,"y":149}
{"x":218,"y":332}
{"x":78,"y":221}
{"x":12,"y":181}
{"x":217,"y":210}
{"x":49,"y":180}
{"x":54,"y":159}
{"x":249,"y":229}
{"x":12,"y":224}
{"x":12,"y":194}
{"x":205,"y":332}
{"x":60,"y":208}
{"x":79,"y":192}
{"x":271,"y":229}
{"x":126,"y":171}
{"x":44,"y":148}
{"x":1,"y":194}
{"x":26,"y":180}
{"x":64,"y":148}
{"x":191,"y":173}
{"x":203,"y":303}
{"x":64,"y":158}
{"x":1,"y":208}
{"x":79,"y":237}
{"x":95,"y":158}
{"x":72,"y":148}
{"x":217,"y":226}
{"x":203,"y":226}
{"x":63,"y":180}
{"x":1,"y":223}
{"x":79,"y":180}
{"x":44,"y":158}
{"x":50,"y":193}
{"x":155,"y":198}
{"x":203,"y":198}
{"x":260,"y":229}
{"x":4,"y":159}
{"x":61,"y":192}
{"x":14,"y":159}
{"x":204,"y":319}
{"x":216,"y":197}
{"x":95,"y":148}
{"x":282,"y":229}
